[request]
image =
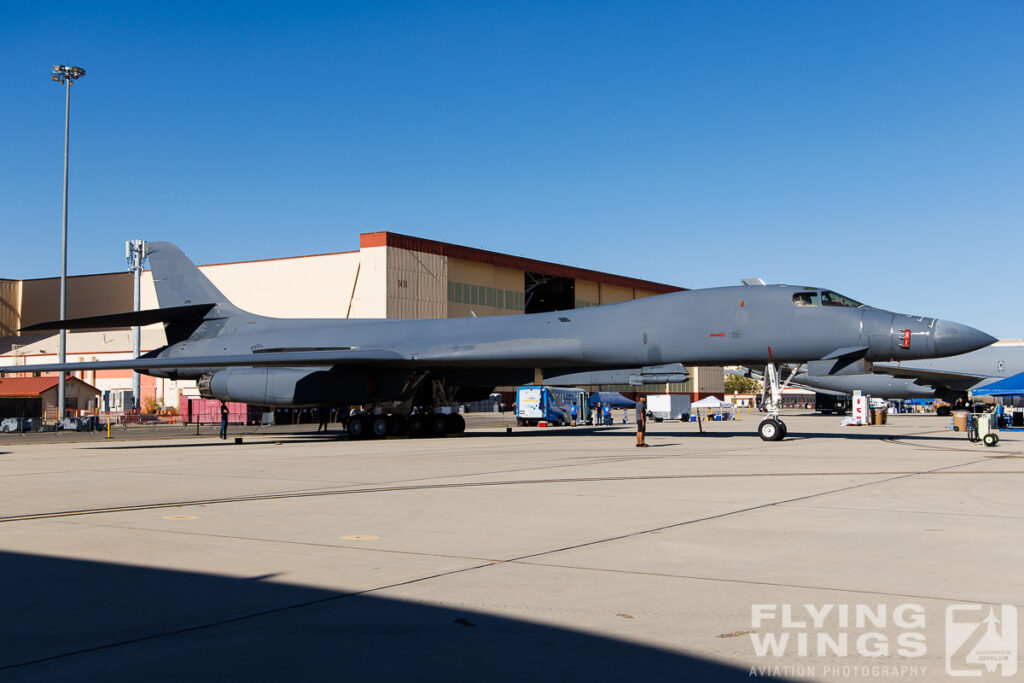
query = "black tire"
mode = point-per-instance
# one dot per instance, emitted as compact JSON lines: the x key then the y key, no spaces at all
{"x":955,"y":428}
{"x":769,"y":430}
{"x":358,"y":427}
{"x":379,"y":427}
{"x":785,"y":430}
{"x":943,"y":411}
{"x":418,"y":425}
{"x":456,"y":424}
{"x":439,"y":425}
{"x":398,"y":425}
{"x":991,"y":440}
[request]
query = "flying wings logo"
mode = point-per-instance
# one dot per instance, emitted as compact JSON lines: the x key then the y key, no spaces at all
{"x":981,"y":639}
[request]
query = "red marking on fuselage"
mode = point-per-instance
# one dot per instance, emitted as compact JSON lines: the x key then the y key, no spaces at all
{"x":717,"y":334}
{"x":770,"y":353}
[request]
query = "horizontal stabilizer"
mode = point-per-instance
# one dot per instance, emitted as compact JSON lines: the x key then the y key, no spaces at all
{"x":130,"y":319}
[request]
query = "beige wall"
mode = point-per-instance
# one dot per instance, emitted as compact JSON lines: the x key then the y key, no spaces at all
{"x":709,"y":380}
{"x":594,"y":294}
{"x":325,"y":286}
{"x":493,"y":285}
{"x":416,"y":284}
{"x":88,"y":295}
{"x":10,"y":307}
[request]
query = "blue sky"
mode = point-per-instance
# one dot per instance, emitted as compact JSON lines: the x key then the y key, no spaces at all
{"x":875,"y":148}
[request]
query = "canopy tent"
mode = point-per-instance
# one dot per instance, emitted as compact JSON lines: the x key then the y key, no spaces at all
{"x":610,"y":398}
{"x":711,"y":402}
{"x":1011,"y":386}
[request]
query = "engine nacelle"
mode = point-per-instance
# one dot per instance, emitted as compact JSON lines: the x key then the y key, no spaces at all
{"x":285,"y":386}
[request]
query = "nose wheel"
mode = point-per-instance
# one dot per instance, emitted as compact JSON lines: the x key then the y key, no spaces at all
{"x":772,"y":429}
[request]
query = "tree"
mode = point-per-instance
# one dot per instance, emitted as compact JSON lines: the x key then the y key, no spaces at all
{"x":736,"y":384}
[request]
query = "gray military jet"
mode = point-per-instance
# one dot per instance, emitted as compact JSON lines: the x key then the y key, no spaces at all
{"x":948,"y":378}
{"x":389,"y":366}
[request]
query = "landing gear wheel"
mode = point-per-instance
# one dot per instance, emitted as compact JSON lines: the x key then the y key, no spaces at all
{"x":358,"y":426}
{"x":769,"y":430}
{"x":397,"y":425}
{"x":456,"y":424}
{"x":784,"y":428}
{"x":991,"y":439}
{"x":418,"y":425}
{"x":379,"y":427}
{"x":439,"y":425}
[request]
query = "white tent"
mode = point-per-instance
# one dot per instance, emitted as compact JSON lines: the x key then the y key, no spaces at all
{"x":711,"y":402}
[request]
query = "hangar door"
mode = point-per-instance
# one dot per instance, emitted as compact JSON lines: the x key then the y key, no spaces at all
{"x":549,"y":293}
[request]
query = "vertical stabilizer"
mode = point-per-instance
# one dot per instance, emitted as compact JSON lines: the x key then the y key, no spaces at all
{"x":179,"y":283}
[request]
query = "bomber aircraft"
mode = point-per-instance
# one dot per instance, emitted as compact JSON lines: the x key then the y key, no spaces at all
{"x":389,"y":366}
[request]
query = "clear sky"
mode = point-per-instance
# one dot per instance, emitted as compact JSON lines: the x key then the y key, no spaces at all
{"x":875,"y":148}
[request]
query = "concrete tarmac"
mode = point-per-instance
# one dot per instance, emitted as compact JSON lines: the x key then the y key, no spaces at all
{"x":839,"y":554}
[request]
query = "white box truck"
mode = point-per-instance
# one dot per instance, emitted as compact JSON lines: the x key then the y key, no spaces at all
{"x":669,"y":407}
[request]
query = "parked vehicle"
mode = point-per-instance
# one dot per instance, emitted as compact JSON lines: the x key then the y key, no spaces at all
{"x":80,"y":424}
{"x":17,"y":424}
{"x":535,"y":404}
{"x":668,"y":407}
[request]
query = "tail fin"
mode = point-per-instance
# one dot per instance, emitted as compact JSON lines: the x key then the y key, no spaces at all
{"x":179,"y":283}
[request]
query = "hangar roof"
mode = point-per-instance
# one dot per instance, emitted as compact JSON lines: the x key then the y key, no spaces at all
{"x":399,"y":241}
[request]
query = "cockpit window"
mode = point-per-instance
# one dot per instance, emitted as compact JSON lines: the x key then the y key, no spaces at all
{"x":833,"y":299}
{"x":805,"y":299}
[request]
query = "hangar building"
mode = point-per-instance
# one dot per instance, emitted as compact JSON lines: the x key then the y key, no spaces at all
{"x":389,"y":276}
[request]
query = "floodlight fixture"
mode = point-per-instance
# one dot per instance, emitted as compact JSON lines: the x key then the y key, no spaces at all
{"x":66,"y":74}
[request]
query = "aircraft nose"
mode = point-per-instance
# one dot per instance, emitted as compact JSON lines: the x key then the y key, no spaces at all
{"x":951,"y":339}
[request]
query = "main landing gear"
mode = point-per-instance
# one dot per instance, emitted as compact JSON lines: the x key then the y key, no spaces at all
{"x":370,"y":426}
{"x":772,"y":428}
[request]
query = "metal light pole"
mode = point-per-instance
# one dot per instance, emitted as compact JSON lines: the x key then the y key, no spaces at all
{"x":135,"y":251}
{"x":66,"y":75}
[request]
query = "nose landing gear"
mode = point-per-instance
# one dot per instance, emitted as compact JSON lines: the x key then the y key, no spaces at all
{"x":772,"y":428}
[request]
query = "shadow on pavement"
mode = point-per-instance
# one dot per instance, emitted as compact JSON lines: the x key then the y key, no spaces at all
{"x":81,"y":620}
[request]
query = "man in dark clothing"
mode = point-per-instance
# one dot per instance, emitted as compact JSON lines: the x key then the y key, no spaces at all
{"x":223,"y":420}
{"x":641,"y":423}
{"x":325,"y":416}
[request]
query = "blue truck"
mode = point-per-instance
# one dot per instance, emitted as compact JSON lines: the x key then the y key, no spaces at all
{"x":553,"y":405}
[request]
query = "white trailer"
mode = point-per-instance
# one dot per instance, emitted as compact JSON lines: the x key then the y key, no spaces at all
{"x":669,"y":406}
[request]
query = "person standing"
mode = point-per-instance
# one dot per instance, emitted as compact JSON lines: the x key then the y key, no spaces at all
{"x":325,"y":416}
{"x":223,"y":420}
{"x":641,"y":423}
{"x":607,"y":415}
{"x":572,"y":414}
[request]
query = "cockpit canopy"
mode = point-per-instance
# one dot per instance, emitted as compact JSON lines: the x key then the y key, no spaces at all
{"x":813,"y":297}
